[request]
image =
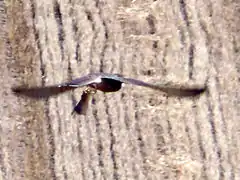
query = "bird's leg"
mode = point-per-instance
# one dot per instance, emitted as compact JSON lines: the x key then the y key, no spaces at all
{"x":82,"y":106}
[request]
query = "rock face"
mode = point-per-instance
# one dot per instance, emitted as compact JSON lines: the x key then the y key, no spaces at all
{"x":136,"y":133}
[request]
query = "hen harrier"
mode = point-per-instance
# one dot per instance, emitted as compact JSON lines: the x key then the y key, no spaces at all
{"x":104,"y":82}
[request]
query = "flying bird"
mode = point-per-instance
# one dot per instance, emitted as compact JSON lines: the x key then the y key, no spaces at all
{"x":104,"y":82}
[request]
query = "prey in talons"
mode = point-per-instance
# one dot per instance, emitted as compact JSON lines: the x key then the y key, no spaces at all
{"x":82,"y":106}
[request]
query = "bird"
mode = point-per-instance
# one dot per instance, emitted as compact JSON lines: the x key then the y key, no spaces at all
{"x":105,"y":82}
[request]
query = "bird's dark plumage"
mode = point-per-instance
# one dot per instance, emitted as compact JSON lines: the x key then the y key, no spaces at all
{"x":104,"y":82}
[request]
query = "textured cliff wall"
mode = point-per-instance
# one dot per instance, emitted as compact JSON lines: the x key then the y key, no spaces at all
{"x":136,"y":133}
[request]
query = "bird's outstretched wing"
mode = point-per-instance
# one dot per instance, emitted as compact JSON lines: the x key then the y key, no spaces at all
{"x":168,"y":89}
{"x":47,"y":91}
{"x":41,"y":92}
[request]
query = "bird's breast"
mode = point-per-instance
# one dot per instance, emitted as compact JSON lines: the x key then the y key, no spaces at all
{"x":107,"y":85}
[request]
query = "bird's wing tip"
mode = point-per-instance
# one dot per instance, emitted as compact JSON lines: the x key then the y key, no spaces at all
{"x":16,"y":89}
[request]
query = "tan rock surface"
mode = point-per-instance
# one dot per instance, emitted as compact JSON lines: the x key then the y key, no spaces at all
{"x":136,"y":133}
